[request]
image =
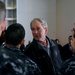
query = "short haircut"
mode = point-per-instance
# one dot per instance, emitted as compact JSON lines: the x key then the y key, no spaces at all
{"x":70,"y":37}
{"x":15,"y":33}
{"x":44,"y":23}
{"x":2,"y":11}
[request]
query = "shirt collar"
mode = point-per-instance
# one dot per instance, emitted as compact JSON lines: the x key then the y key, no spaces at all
{"x":48,"y":46}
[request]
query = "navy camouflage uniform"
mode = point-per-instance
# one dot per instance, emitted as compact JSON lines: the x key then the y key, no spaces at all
{"x":13,"y":62}
{"x":68,"y":68}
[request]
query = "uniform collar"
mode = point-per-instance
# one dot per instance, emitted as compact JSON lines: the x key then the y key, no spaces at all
{"x":12,"y":48}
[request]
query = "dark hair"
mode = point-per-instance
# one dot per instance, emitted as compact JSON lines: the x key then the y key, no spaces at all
{"x":70,"y":37}
{"x":15,"y":33}
{"x":2,"y":11}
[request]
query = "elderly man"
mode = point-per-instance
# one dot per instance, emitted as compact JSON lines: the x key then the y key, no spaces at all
{"x":42,"y":50}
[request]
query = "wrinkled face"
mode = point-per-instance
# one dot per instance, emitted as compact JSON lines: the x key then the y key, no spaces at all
{"x":73,"y":42}
{"x":38,"y":32}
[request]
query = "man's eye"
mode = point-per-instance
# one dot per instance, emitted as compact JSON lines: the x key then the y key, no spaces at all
{"x":35,"y":29}
{"x":38,"y":28}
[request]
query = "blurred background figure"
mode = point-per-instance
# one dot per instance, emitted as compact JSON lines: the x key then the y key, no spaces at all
{"x":59,"y":46}
{"x":67,"y":50}
{"x":68,"y":68}
{"x":58,"y":43}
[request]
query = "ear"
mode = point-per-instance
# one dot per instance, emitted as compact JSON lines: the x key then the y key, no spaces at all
{"x":22,"y":42}
{"x":46,"y":30}
{"x":3,"y":26}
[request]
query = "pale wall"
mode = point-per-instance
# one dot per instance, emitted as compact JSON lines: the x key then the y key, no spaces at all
{"x":29,"y":9}
{"x":65,"y":18}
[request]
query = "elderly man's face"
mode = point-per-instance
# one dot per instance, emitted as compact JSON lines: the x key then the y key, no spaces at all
{"x":39,"y":33}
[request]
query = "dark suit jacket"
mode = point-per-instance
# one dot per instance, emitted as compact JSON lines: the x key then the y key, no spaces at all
{"x":68,"y":67}
{"x":48,"y":65}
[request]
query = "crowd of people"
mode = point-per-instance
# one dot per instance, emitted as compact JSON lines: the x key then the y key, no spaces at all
{"x":42,"y":56}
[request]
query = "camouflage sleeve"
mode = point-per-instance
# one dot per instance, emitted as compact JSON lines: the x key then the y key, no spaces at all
{"x":32,"y":68}
{"x":68,"y":68}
